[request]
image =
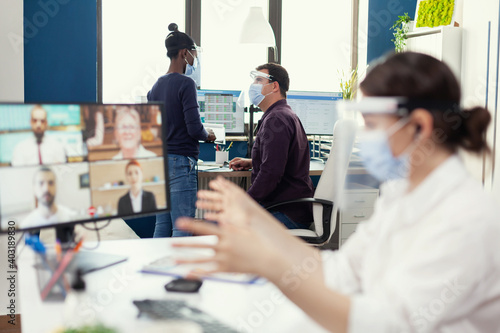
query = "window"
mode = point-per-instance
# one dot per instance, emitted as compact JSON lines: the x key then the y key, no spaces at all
{"x":134,"y":54}
{"x":316,"y":43}
{"x":226,"y":64}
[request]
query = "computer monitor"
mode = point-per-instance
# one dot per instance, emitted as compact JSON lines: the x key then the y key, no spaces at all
{"x":316,"y":110}
{"x":220,"y":107}
{"x":62,"y":164}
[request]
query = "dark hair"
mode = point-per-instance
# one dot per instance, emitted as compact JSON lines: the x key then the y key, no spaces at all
{"x":279,"y":75}
{"x":420,"y":77}
{"x":43,"y":169}
{"x":177,"y":40}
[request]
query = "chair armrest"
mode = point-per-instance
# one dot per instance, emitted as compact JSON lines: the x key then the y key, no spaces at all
{"x":325,"y":219}
{"x":313,"y":200}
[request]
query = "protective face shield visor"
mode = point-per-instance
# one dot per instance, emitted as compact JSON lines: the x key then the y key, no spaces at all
{"x":196,"y":56}
{"x":261,"y":77}
{"x":397,"y":106}
{"x":257,"y":78}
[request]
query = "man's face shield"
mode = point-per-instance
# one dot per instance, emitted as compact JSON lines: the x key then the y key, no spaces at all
{"x":257,"y":78}
{"x":261,"y":77}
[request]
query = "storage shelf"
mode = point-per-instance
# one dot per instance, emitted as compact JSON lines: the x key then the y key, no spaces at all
{"x":121,"y":187}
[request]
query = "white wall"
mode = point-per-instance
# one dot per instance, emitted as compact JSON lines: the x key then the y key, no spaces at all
{"x":11,"y":51}
{"x":12,"y":90}
{"x":476,"y":15}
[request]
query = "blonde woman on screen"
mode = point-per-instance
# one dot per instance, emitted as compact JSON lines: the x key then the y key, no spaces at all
{"x":128,"y":135}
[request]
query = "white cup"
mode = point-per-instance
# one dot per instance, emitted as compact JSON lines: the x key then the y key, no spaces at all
{"x":221,"y":157}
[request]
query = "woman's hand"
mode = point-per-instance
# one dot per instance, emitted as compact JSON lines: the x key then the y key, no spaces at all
{"x":239,"y":249}
{"x":239,"y":215}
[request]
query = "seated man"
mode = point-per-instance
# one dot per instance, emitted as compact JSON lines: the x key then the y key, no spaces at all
{"x":280,"y":154}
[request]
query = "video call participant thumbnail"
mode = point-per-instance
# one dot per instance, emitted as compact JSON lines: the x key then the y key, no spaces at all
{"x":128,"y":135}
{"x":47,"y":212}
{"x":38,"y":149}
{"x":136,"y":200}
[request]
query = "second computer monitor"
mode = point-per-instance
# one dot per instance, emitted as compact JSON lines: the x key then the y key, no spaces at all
{"x":316,"y":110}
{"x":220,"y":107}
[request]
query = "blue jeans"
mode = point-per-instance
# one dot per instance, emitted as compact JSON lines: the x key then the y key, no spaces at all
{"x":286,"y":221}
{"x":183,"y":188}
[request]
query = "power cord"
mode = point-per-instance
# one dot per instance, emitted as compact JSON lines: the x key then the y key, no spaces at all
{"x":96,"y":229}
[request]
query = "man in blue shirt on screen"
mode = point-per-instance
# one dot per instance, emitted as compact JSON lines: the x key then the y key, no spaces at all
{"x":280,"y":155}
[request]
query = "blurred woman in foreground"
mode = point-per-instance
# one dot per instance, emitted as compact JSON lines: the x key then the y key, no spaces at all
{"x":427,"y":260}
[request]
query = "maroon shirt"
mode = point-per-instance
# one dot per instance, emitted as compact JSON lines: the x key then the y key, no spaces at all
{"x":280,"y":162}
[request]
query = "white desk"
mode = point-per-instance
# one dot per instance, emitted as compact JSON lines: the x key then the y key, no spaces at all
{"x":249,"y":308}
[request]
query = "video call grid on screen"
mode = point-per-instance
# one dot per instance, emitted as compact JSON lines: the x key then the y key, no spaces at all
{"x":220,"y":107}
{"x":73,"y":163}
{"x":317,"y":111}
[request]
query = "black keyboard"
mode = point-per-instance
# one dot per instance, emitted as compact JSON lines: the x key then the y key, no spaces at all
{"x":180,"y":310}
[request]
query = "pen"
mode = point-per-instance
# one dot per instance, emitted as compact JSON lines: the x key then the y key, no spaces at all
{"x":227,"y":149}
{"x":217,"y":148}
{"x":68,"y":256}
{"x":78,"y":245}
{"x":58,"y":250}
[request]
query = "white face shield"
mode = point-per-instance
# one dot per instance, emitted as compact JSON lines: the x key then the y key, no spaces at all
{"x":257,"y":78}
{"x":397,"y":106}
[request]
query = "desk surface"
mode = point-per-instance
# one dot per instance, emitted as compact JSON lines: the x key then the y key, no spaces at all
{"x":248,"y":308}
{"x":208,"y":168}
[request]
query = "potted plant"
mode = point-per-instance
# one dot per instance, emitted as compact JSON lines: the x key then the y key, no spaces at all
{"x":401,"y":28}
{"x":348,"y":83}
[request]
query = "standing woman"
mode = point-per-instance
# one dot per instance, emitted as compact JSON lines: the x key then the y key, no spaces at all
{"x":182,"y":128}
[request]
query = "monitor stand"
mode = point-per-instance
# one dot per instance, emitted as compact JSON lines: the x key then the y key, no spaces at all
{"x":85,"y":261}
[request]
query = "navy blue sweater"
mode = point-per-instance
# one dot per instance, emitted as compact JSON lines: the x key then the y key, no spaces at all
{"x":181,"y":116}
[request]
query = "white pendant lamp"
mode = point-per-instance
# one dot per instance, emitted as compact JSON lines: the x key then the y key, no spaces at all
{"x":256,"y":29}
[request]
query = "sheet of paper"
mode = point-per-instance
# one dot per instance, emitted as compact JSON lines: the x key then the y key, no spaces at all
{"x":219,"y":131}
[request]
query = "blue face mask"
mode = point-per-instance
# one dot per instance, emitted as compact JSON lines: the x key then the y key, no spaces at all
{"x":255,"y":93}
{"x":377,"y":156}
{"x":193,"y":71}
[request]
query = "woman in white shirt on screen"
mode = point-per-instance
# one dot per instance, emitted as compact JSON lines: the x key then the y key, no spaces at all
{"x":427,"y":260}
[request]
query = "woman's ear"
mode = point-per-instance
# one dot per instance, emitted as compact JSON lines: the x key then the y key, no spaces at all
{"x":183,"y":54}
{"x":423,"y":123}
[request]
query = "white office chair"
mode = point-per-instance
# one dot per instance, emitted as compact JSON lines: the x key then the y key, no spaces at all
{"x":330,"y":186}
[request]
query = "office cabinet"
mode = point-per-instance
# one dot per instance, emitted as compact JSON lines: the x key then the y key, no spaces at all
{"x":359,"y":205}
{"x":443,"y":43}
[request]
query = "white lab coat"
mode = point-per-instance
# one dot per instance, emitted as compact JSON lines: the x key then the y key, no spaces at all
{"x":427,"y":261}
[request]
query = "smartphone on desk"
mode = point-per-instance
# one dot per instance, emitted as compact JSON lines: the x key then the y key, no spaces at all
{"x":183,"y":285}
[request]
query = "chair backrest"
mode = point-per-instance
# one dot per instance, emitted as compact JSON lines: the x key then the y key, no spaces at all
{"x":332,"y":180}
